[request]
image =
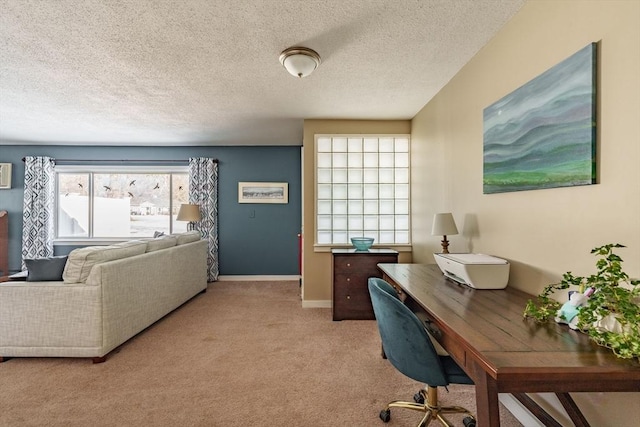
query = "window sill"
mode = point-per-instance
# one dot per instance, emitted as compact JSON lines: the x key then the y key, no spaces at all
{"x":328,"y":248}
{"x":89,"y":242}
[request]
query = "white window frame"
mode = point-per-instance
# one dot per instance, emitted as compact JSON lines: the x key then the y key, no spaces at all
{"x":326,"y":247}
{"x":101,"y":169}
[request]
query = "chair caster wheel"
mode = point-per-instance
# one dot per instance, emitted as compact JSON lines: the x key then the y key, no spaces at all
{"x":469,"y":422}
{"x":418,"y":398}
{"x":385,"y":415}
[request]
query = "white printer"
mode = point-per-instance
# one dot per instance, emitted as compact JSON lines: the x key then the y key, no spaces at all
{"x":478,"y":271}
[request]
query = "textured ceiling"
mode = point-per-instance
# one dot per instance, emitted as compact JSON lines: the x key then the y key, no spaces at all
{"x":206,"y":72}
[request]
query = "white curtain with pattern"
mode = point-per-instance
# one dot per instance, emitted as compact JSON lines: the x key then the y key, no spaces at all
{"x":37,"y":212}
{"x":203,"y":191}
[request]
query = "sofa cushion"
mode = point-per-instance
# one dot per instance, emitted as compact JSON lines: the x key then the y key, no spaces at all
{"x":128,"y":243}
{"x":45,"y":269}
{"x":82,"y":260}
{"x":161,"y":243}
{"x":188,"y":237}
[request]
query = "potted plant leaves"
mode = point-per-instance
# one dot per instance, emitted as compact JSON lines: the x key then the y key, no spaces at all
{"x":607,"y":307}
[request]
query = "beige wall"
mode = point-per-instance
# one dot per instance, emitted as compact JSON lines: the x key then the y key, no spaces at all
{"x":317,"y":265}
{"x":544,"y":232}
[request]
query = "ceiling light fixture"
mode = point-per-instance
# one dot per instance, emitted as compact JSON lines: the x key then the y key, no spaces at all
{"x":299,"y":61}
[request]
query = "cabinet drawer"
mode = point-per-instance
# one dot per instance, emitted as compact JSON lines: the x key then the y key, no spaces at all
{"x":351,"y":271}
{"x":362,"y":263}
{"x":352,"y":306}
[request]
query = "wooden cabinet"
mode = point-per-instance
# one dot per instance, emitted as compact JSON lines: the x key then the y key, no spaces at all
{"x":351,"y":269}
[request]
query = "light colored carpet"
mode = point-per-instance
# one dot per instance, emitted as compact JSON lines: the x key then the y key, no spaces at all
{"x":242,"y":354}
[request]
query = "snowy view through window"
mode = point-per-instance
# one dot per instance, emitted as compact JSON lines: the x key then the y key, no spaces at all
{"x":120,"y":205}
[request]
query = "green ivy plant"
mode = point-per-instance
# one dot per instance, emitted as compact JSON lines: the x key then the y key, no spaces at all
{"x":608,"y":298}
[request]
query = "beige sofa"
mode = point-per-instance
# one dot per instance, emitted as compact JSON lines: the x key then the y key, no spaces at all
{"x":108,"y":295}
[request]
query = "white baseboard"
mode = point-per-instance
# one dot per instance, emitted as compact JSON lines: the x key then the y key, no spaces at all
{"x":318,"y":303}
{"x":518,"y":410}
{"x":239,"y":278}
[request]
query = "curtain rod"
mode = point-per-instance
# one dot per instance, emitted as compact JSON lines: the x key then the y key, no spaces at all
{"x":176,"y":162}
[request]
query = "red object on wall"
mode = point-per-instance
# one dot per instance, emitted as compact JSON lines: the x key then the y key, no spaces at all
{"x":300,"y":254}
{"x":4,"y":243}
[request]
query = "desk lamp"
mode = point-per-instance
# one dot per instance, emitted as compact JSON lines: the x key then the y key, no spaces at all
{"x":189,"y":212}
{"x":444,"y":225}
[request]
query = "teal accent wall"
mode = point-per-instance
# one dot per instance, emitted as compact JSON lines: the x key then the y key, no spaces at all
{"x":254,"y":239}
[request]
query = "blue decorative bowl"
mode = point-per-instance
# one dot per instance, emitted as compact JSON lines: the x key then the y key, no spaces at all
{"x":362,"y":243}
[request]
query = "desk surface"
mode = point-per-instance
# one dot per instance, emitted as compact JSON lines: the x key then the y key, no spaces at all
{"x":485,"y":332}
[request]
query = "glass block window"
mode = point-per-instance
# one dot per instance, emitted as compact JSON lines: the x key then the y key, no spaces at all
{"x":362,"y":188}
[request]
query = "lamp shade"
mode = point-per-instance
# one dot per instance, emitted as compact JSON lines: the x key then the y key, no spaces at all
{"x":299,"y":61}
{"x":444,"y":225}
{"x":189,"y":213}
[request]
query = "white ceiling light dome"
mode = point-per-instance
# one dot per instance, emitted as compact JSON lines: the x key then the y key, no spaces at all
{"x":299,"y":61}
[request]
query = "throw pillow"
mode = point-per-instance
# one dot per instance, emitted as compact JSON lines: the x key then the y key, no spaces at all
{"x":19,"y":277}
{"x":158,"y":234}
{"x":45,"y":269}
{"x":82,"y":260}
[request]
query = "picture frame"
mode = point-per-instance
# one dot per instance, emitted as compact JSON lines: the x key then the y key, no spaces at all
{"x":5,"y":176}
{"x":263,"y":192}
{"x":543,"y":134}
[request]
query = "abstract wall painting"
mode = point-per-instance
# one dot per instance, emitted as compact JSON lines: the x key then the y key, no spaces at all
{"x":543,"y":134}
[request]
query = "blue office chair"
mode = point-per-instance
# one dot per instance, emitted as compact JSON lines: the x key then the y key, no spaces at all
{"x":408,"y":347}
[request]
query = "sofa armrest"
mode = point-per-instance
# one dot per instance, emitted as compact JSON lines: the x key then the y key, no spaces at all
{"x":49,"y":314}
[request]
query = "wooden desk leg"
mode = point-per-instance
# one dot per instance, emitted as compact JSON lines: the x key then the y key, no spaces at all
{"x":572,"y":409}
{"x":536,"y":410}
{"x":487,"y":407}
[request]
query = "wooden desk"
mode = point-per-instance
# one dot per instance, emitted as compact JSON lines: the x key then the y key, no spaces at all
{"x":486,"y":334}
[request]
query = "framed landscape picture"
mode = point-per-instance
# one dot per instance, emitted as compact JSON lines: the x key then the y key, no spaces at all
{"x":5,"y":176}
{"x":543,"y":134}
{"x":263,"y":192}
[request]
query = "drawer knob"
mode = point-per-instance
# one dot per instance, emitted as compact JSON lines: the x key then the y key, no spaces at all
{"x":433,"y":329}
{"x":348,"y":265}
{"x":348,"y":279}
{"x":348,"y":296}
